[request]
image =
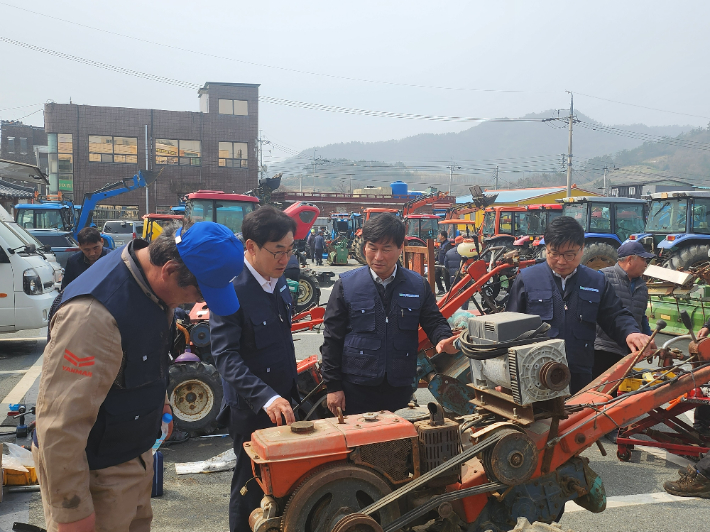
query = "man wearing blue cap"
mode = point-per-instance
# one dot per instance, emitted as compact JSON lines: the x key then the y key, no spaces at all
{"x":253,"y":349}
{"x":626,"y":276}
{"x":104,"y":374}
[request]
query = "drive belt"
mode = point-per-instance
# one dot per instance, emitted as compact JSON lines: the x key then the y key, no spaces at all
{"x":436,"y":501}
{"x":426,"y":477}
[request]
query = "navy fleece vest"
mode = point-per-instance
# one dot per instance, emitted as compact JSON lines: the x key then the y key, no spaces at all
{"x":573,"y":320}
{"x":129,"y":419}
{"x":266,"y":343}
{"x":380,"y":343}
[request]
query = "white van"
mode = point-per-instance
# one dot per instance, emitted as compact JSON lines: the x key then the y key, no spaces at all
{"x":27,"y":281}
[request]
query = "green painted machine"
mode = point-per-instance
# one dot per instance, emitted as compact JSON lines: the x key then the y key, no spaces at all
{"x":673,"y":292}
{"x":338,"y":252}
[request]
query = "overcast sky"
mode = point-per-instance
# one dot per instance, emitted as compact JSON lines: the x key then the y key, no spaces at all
{"x":651,"y":54}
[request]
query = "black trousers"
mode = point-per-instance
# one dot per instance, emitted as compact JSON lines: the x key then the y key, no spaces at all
{"x":603,"y":360}
{"x":443,"y":278}
{"x":319,"y":256}
{"x":384,"y":396}
{"x":579,"y":380}
{"x":240,"y":506}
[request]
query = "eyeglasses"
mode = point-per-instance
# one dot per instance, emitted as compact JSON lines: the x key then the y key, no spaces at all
{"x":567,"y":255}
{"x":278,"y":255}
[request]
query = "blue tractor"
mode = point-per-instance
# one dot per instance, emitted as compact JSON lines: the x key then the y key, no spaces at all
{"x":678,"y":229}
{"x":607,"y":222}
{"x":63,"y":215}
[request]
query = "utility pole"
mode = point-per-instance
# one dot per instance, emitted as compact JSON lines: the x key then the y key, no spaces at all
{"x":496,"y":177}
{"x":451,"y":168}
{"x":350,"y":178}
{"x":147,"y":167}
{"x":605,"y":169}
{"x":261,"y":140}
{"x":314,"y":170}
{"x":569,"y":147}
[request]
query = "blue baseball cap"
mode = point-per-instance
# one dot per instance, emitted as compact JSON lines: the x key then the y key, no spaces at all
{"x":634,"y":247}
{"x":214,"y":256}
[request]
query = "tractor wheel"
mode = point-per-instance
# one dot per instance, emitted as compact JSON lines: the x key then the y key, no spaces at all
{"x":308,"y":291}
{"x":688,"y":257}
{"x":358,"y":249}
{"x":195,"y":393}
{"x":599,"y":255}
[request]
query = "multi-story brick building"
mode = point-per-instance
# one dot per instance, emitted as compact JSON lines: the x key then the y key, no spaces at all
{"x":213,"y":149}
{"x":18,"y":141}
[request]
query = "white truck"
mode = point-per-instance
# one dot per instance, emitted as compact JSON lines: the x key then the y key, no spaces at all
{"x":28,"y":279}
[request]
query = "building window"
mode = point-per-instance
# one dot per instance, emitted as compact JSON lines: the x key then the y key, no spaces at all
{"x":108,"y":149}
{"x":233,"y":154}
{"x":23,"y":146}
{"x":61,"y":160}
{"x":233,"y":107}
{"x":178,"y":152}
{"x":11,"y":145}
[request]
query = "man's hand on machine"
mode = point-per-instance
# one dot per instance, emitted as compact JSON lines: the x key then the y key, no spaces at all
{"x":280,"y":407}
{"x":446,"y":346}
{"x":335,"y":400}
{"x":702,"y":333}
{"x":636,"y":342}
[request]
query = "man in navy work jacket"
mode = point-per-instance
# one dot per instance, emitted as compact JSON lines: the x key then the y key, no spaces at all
{"x":253,"y":349}
{"x":573,"y":299}
{"x":371,"y":326}
{"x":92,"y":249}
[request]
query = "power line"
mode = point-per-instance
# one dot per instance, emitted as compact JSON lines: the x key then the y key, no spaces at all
{"x":264,"y":99}
{"x":263,"y":65}
{"x":642,"y":106}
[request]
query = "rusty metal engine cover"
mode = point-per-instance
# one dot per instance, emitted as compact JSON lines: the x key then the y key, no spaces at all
{"x":395,"y":459}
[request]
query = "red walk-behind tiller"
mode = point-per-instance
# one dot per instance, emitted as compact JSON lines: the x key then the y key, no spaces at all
{"x":511,"y":450}
{"x":677,"y":436}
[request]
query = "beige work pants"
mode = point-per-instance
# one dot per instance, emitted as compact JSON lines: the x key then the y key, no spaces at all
{"x":121,"y":495}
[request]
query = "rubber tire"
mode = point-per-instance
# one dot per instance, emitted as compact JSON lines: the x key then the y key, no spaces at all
{"x":688,"y":257}
{"x":209,"y":376}
{"x":309,"y":280}
{"x":598,"y":255}
{"x":358,"y":250}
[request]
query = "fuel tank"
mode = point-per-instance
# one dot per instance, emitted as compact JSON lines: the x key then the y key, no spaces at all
{"x":283,"y":455}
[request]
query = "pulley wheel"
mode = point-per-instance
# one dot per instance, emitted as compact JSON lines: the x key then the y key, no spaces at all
{"x":357,"y":523}
{"x":512,"y":460}
{"x":334,"y":493}
{"x":555,"y":376}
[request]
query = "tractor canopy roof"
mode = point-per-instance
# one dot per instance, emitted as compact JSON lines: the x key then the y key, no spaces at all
{"x":545,"y":206}
{"x":681,"y":194}
{"x":599,"y":199}
{"x":153,"y":216}
{"x":422,"y":216}
{"x":219,"y":195}
{"x":381,"y":209}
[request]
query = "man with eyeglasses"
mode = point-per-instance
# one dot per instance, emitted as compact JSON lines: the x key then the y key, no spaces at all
{"x":253,"y":349}
{"x":573,"y":299}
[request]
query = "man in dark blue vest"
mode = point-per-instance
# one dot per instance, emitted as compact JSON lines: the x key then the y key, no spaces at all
{"x":253,"y":349}
{"x":370,"y":341}
{"x":104,"y":376}
{"x":92,"y":249}
{"x":573,"y":299}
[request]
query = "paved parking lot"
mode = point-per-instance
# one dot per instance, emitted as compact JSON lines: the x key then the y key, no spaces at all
{"x":637,"y":502}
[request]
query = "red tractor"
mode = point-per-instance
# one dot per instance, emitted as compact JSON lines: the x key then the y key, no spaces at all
{"x":503,"y":225}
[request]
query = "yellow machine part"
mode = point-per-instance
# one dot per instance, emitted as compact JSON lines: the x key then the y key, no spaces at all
{"x":631,"y":385}
{"x":151,"y":229}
